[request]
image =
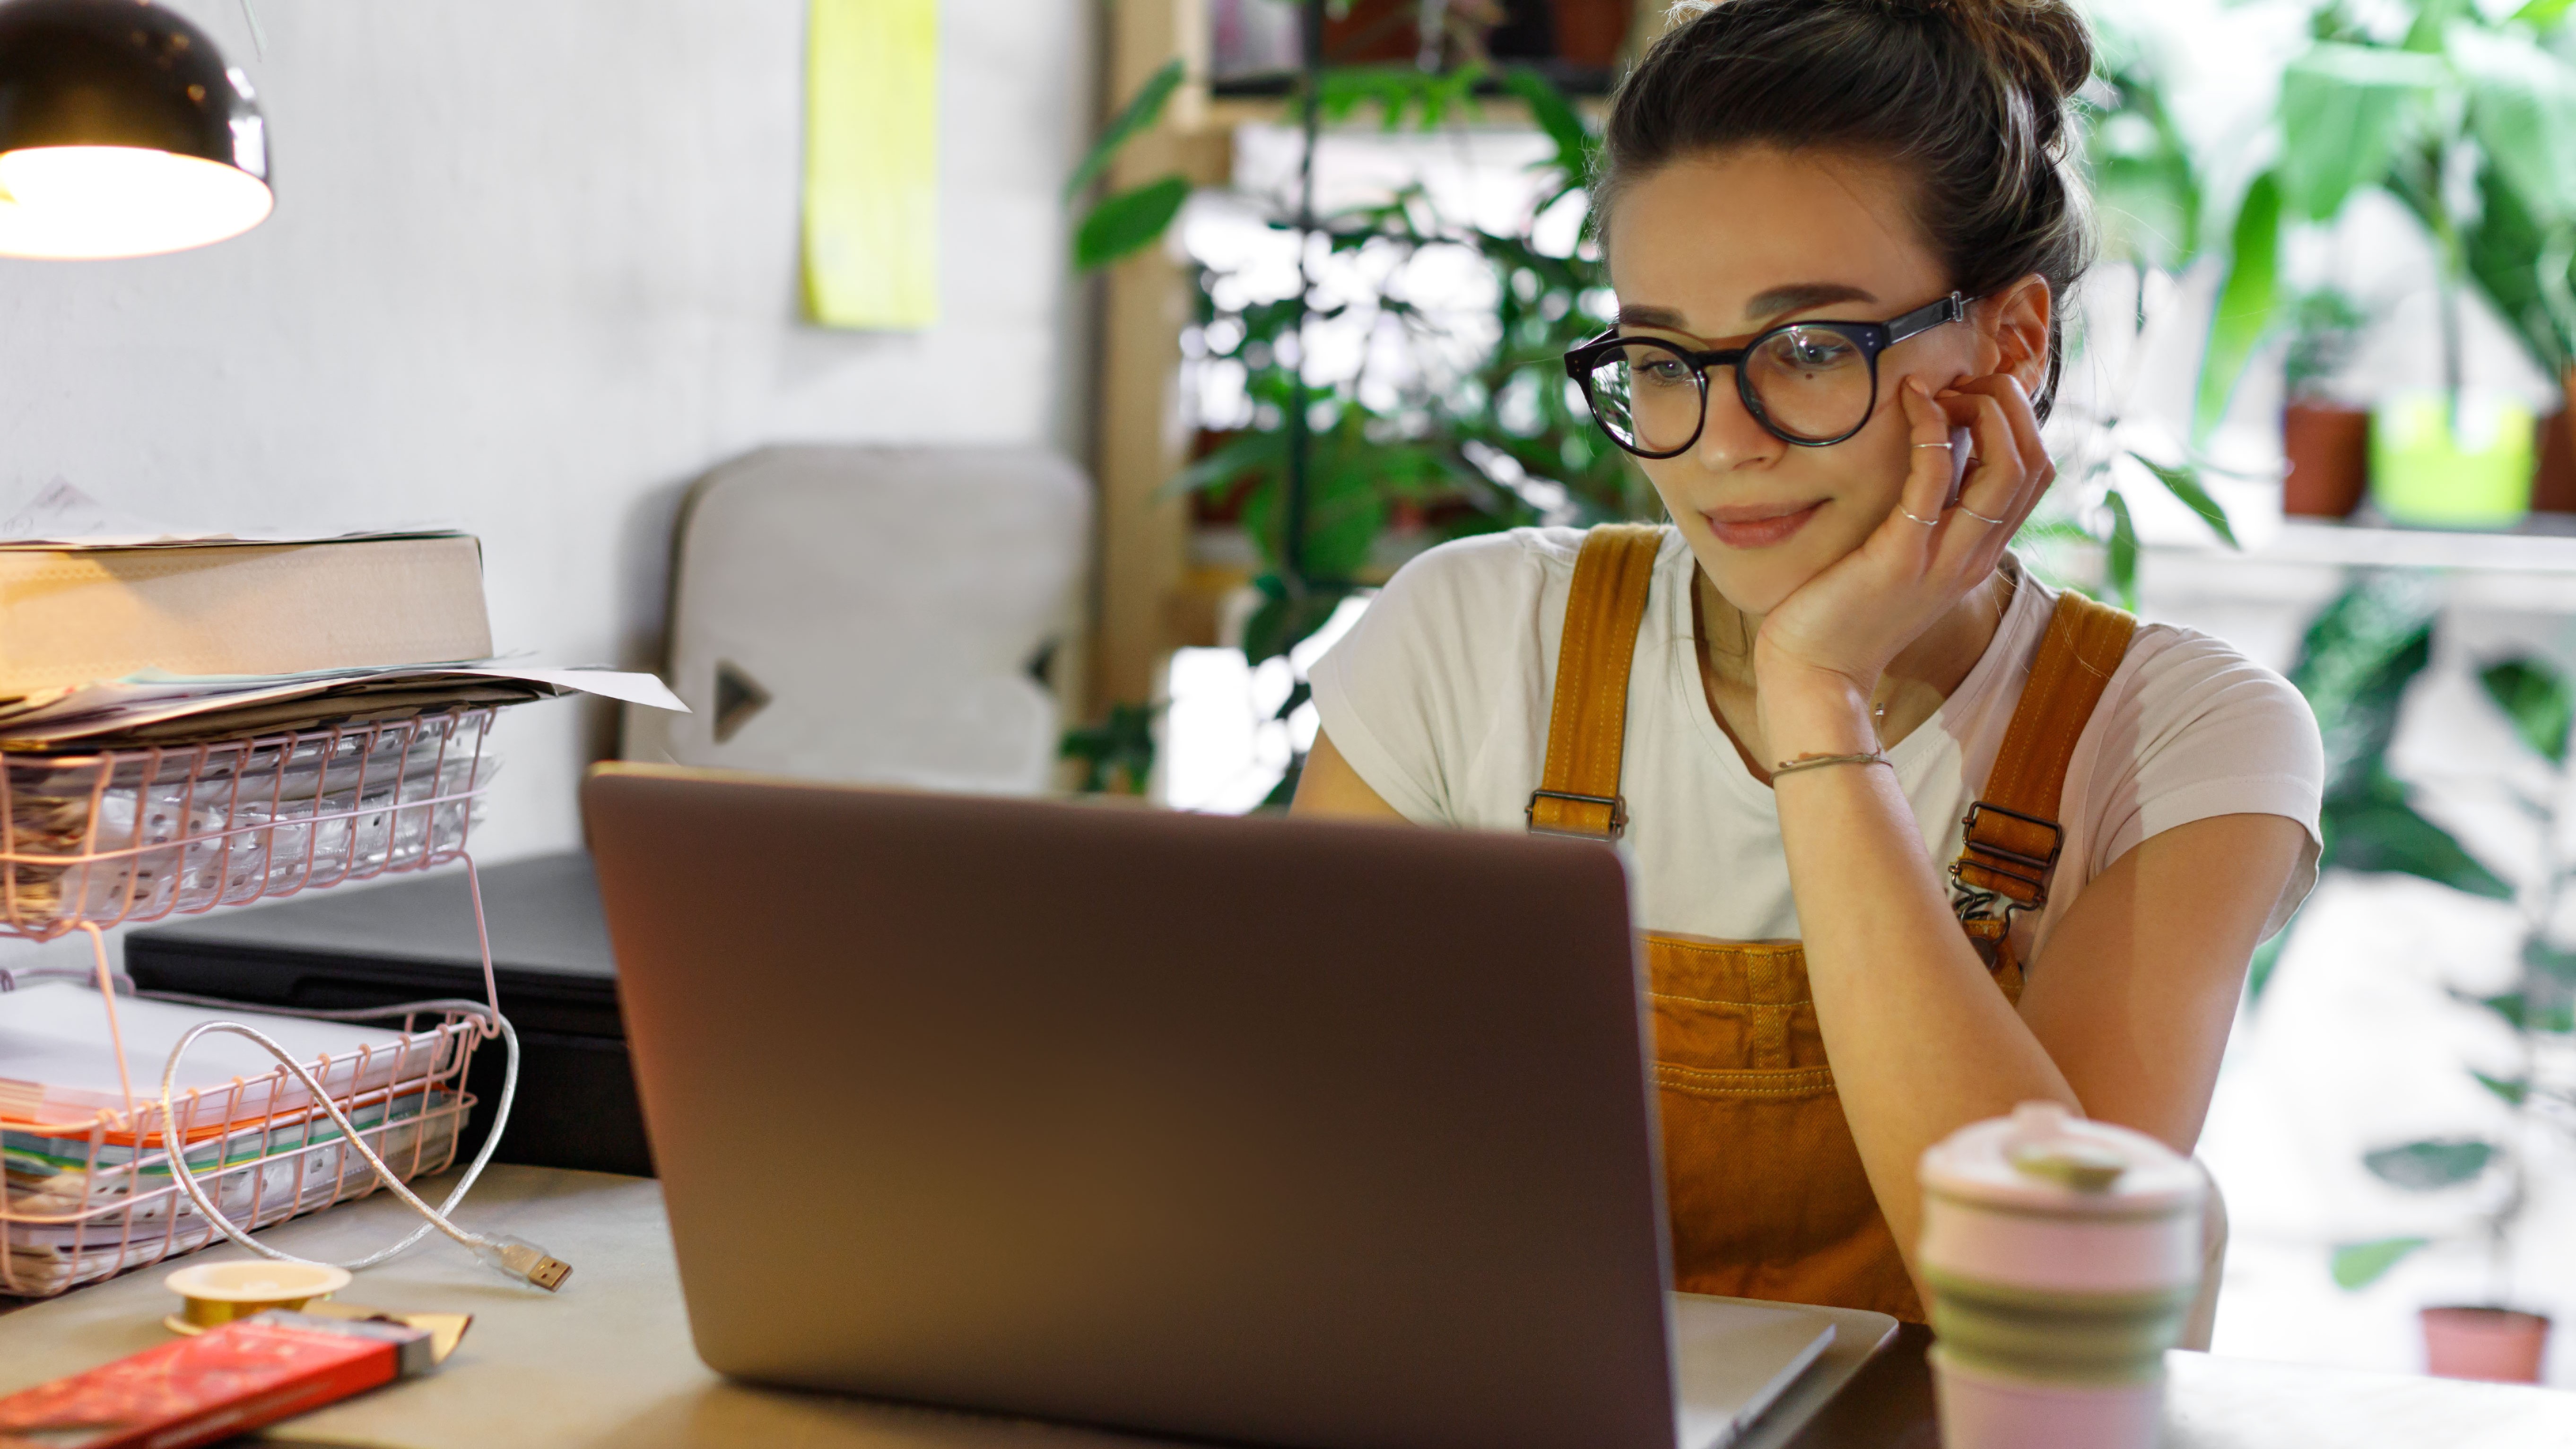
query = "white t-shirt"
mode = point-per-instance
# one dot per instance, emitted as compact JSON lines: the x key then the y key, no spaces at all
{"x":1439,"y":697}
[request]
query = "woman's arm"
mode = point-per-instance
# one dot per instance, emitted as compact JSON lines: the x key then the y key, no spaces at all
{"x":1331,"y":787}
{"x":2124,"y":1020}
{"x":2127,"y":1016}
{"x":2144,"y":973}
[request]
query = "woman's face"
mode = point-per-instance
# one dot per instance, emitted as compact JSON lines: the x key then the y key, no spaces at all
{"x":1709,"y":251}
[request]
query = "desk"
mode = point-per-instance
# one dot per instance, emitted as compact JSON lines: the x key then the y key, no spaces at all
{"x":608,"y":1361}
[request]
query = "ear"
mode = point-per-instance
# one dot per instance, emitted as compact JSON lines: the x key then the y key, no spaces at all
{"x":2014,"y":325}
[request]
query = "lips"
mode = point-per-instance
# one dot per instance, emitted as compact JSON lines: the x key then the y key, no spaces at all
{"x":1759,"y":525}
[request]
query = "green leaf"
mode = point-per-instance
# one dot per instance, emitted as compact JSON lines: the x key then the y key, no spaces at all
{"x":2121,"y":558}
{"x":1140,"y":113}
{"x":2509,"y":1005}
{"x":2340,"y":110}
{"x":1346,"y":509}
{"x":2359,"y":657}
{"x":1455,"y":90}
{"x":2430,"y":1165}
{"x":2558,"y":966}
{"x":2513,"y":1093}
{"x":1228,"y":462}
{"x":2246,"y":303}
{"x":2184,"y":483}
{"x":2522,"y":109}
{"x":1555,"y":116}
{"x":2542,"y":15}
{"x":2537,"y":700}
{"x":1285,"y":620}
{"x":1117,"y":754}
{"x":1298,"y":696}
{"x":2358,"y":1265}
{"x":1128,"y":221}
{"x":2379,"y":831}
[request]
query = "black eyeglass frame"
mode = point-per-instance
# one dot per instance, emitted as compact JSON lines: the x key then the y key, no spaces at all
{"x":1872,"y":338}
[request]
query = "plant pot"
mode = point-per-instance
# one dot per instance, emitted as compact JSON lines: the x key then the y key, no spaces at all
{"x":2328,"y":449}
{"x":2502,"y":1344}
{"x":2429,"y":468}
{"x":2553,"y":489}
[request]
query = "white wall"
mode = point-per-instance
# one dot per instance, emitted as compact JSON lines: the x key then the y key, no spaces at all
{"x":533,"y":268}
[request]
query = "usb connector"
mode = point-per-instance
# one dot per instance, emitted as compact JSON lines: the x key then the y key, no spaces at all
{"x":525,"y":1261}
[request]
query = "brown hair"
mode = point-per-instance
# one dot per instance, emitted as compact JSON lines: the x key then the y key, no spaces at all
{"x":1967,"y":98}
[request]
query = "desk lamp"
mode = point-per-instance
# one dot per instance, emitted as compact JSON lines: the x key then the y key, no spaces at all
{"x":122,"y":133}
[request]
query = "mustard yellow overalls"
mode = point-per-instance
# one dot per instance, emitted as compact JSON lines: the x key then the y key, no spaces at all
{"x":1762,"y":1178}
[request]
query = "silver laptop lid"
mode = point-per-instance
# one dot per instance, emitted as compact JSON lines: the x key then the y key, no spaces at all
{"x":1292,"y":1132}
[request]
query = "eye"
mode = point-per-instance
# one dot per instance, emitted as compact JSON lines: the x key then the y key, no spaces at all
{"x":1815,"y":351}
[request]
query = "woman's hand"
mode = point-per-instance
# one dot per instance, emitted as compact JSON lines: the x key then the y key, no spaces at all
{"x":1831,"y":639}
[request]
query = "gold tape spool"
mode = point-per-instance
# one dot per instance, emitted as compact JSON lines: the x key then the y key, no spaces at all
{"x":218,"y":1293}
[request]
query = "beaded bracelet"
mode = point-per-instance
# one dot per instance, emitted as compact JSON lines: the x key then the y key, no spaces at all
{"x":1810,"y":762}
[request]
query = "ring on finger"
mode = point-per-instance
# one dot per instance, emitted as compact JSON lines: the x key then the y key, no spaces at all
{"x":1981,"y":518}
{"x":1932,"y":445}
{"x":1917,"y":517}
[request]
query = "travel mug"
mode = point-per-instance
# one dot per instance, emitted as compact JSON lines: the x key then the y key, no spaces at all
{"x":2063,"y":1256}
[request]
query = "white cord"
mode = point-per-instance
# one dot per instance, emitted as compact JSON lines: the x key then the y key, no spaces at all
{"x":508,"y":1255}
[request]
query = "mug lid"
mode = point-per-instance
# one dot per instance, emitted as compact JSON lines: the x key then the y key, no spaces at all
{"x":2045,"y":1158}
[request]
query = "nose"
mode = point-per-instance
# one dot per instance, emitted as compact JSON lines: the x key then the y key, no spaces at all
{"x":1731,"y":437}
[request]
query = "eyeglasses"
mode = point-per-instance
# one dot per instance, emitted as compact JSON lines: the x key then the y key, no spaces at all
{"x":1808,"y":383}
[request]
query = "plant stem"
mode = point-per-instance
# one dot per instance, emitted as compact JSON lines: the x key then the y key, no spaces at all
{"x":1292,"y":506}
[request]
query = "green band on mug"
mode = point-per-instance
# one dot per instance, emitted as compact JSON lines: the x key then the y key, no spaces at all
{"x":2056,"y":1336}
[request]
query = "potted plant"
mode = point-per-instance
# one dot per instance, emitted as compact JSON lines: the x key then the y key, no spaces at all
{"x":2325,"y":441}
{"x":2359,"y":660}
{"x":2470,"y":122}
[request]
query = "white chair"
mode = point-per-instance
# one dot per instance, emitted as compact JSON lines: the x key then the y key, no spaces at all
{"x":889,"y":616}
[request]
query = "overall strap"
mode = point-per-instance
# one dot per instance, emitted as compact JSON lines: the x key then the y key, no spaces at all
{"x":1588,"y":726}
{"x":2013,"y":834}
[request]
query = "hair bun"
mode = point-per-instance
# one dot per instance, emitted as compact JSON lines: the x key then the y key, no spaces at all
{"x":2042,"y":44}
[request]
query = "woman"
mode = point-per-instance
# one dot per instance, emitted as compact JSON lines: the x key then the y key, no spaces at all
{"x":1842,"y":234}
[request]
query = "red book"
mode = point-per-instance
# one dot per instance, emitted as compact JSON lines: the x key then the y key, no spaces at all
{"x":225,"y":1381}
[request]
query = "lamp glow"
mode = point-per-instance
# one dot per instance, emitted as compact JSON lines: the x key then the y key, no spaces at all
{"x":122,"y":133}
{"x":121,"y":201}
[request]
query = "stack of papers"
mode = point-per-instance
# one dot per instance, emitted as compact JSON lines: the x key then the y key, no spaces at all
{"x":153,"y":708}
{"x":58,"y":1068}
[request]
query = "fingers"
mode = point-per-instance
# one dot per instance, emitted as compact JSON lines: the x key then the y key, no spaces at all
{"x":1933,"y":467}
{"x":2002,"y":395}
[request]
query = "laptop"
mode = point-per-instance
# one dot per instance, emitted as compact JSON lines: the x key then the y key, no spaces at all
{"x":1302,"y":1133}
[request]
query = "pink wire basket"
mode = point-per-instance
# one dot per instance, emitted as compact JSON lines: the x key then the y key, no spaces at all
{"x":80,"y":1202}
{"x":92,"y":840}
{"x":128,"y":836}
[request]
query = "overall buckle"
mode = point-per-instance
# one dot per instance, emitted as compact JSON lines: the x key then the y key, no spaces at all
{"x":1617,"y":804}
{"x":2021,"y":868}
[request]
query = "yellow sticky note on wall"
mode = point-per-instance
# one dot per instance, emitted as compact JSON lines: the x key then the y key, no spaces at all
{"x":872,"y":163}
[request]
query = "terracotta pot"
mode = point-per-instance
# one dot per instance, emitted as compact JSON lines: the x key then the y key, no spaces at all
{"x":2502,"y":1344}
{"x":2329,"y":453}
{"x":2553,"y":488}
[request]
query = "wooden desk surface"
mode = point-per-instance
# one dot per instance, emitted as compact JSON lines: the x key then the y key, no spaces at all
{"x":608,"y":1362}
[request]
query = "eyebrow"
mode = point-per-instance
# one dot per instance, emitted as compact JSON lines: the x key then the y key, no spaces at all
{"x":1800,"y":295}
{"x":1797,"y":296}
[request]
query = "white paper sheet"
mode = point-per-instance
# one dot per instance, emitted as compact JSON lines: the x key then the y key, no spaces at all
{"x":62,"y":516}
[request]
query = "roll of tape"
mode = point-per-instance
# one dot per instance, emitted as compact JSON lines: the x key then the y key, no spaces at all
{"x":218,"y":1293}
